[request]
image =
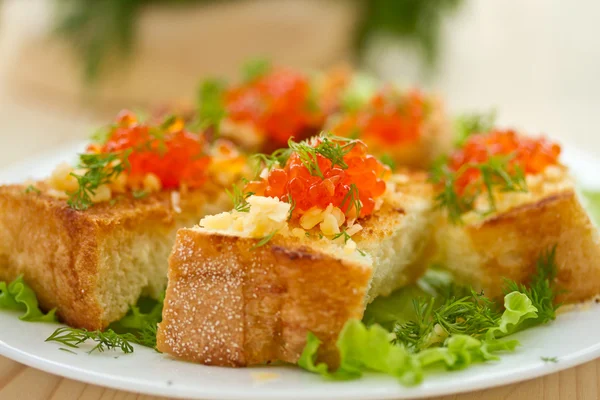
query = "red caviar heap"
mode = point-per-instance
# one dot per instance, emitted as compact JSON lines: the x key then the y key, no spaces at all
{"x":531,"y":155}
{"x":171,"y":153}
{"x":316,"y":176}
{"x":390,"y":118}
{"x":277,"y":103}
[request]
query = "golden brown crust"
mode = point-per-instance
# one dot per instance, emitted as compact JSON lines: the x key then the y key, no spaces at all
{"x":507,"y":245}
{"x":68,"y":256}
{"x":230,"y":305}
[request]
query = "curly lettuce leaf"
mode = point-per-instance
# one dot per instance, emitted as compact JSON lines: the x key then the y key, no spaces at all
{"x":18,"y":296}
{"x":517,"y":308}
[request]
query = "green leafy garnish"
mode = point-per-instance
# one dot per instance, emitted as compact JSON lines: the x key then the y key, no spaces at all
{"x":495,"y":174}
{"x":107,"y":340}
{"x":263,"y":241}
{"x":239,"y":198}
{"x":331,"y":147}
{"x":32,"y":189}
{"x":351,"y":200}
{"x":470,"y":124}
{"x":139,"y":194}
{"x":19,"y":296}
{"x":211,"y":104}
{"x":141,"y":321}
{"x":269,"y":161}
{"x":454,"y":332}
{"x":255,"y":69}
{"x":591,"y":200}
{"x":358,"y":93}
{"x":100,"y":169}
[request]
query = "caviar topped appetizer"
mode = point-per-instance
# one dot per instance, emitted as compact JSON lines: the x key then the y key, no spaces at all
{"x":506,"y":198}
{"x":406,"y":127}
{"x":93,"y":237}
{"x":324,"y":227}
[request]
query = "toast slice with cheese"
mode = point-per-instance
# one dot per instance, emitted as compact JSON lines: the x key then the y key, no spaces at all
{"x":484,"y":249}
{"x":234,"y":300}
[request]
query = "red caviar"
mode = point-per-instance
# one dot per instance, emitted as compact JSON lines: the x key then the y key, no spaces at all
{"x":532,"y":155}
{"x":390,"y":118}
{"x":363,"y":179}
{"x":173,"y":154}
{"x":278,"y":104}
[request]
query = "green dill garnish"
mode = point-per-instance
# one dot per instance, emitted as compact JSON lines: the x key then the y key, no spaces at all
{"x":465,"y":312}
{"x":343,"y":234}
{"x":67,"y":350}
{"x":101,"y":135}
{"x":264,"y":240}
{"x":549,"y":359}
{"x":139,"y":194}
{"x":269,"y":161}
{"x":470,"y":124}
{"x":292,"y":203}
{"x":352,"y":199}
{"x":495,"y":174}
{"x":386,"y":159}
{"x":107,"y":340}
{"x":362,"y":253}
{"x":307,"y":234}
{"x":32,"y":189}
{"x":100,"y":169}
{"x":333,"y":148}
{"x":211,"y":105}
{"x":239,"y":198}
{"x":255,"y":69}
{"x":541,"y":289}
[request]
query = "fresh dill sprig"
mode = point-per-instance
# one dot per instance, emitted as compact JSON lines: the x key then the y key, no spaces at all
{"x":333,"y":148}
{"x":292,"y":203}
{"x":100,"y":169}
{"x":239,"y":198}
{"x":343,"y":234}
{"x":474,"y":314}
{"x":352,"y":199}
{"x":211,"y":105}
{"x":263,"y":241}
{"x":495,"y":174}
{"x":139,"y":194}
{"x":269,"y":161}
{"x":470,"y":124}
{"x":108,"y":340}
{"x":541,"y":289}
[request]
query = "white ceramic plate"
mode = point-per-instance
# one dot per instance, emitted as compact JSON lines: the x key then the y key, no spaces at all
{"x":572,"y":339}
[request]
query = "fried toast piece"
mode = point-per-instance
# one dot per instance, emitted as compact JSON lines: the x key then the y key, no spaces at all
{"x":484,"y":251}
{"x":92,"y":265}
{"x":233,"y":302}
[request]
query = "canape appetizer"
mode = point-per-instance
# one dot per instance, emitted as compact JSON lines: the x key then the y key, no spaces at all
{"x":325,"y":229}
{"x":507,"y":198}
{"x":92,"y":238}
{"x":406,"y":127}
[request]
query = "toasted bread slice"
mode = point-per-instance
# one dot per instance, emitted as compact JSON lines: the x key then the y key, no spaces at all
{"x":232,"y":303}
{"x":483,"y":252}
{"x":92,"y":265}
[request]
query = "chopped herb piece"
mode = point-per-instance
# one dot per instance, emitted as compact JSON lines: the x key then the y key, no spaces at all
{"x":353,"y":200}
{"x":100,"y":169}
{"x":255,"y":69}
{"x":307,"y":234}
{"x":239,"y":199}
{"x":211,"y":104}
{"x":343,"y":234}
{"x":549,"y":359}
{"x":67,"y":350}
{"x":108,"y":340}
{"x":495,"y":174}
{"x":139,"y":194}
{"x":292,"y":206}
{"x":264,"y":240}
{"x":32,"y":189}
{"x":362,"y":253}
{"x":388,"y":160}
{"x":470,"y":124}
{"x":333,"y":148}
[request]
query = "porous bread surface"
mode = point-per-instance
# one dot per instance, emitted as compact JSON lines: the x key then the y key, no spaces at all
{"x":91,"y":265}
{"x":485,"y":251}
{"x":229,"y":304}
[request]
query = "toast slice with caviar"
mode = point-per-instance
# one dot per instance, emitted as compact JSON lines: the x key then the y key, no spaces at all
{"x":319,"y":236}
{"x":90,"y":240}
{"x":405,"y":128}
{"x":485,"y":237}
